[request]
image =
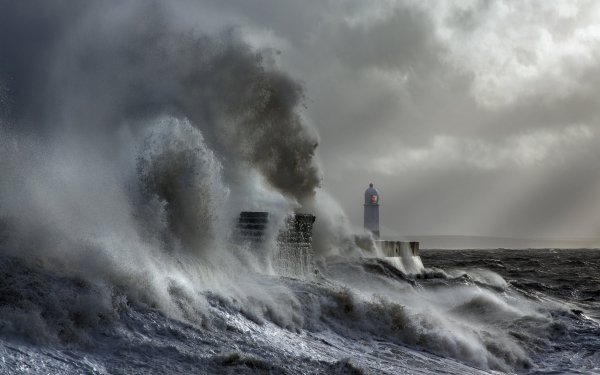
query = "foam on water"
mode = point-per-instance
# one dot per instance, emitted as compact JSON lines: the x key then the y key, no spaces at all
{"x":65,"y":325}
{"x":407,"y":263}
{"x":118,"y":201}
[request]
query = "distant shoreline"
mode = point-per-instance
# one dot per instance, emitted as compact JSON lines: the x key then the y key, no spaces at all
{"x":489,"y":243}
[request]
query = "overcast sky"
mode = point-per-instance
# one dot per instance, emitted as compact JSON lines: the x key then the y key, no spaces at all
{"x":470,"y":117}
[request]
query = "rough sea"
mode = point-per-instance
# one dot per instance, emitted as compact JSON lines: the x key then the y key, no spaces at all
{"x":132,"y":135}
{"x":465,"y":312}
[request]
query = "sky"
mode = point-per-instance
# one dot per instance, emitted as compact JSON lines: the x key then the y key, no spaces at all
{"x":470,"y":117}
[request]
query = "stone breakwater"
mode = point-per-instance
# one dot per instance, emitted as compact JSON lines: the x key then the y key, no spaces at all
{"x":293,"y":255}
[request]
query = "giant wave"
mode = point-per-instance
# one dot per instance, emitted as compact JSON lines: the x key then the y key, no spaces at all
{"x":129,"y":143}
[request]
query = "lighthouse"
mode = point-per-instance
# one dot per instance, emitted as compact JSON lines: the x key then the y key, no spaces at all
{"x":371,"y":218}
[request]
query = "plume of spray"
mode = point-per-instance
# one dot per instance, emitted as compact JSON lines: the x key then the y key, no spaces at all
{"x":130,"y":145}
{"x":334,"y":235}
{"x":110,"y":66}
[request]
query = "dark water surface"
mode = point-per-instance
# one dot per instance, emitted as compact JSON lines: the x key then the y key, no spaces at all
{"x":570,"y":275}
{"x":464,"y":312}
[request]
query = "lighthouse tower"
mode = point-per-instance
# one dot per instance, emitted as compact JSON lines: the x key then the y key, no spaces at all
{"x":372,"y":210}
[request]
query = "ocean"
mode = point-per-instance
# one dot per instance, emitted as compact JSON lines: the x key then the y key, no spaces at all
{"x":132,"y":135}
{"x":465,"y":312}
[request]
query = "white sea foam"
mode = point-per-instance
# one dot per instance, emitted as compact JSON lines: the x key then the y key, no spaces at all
{"x":118,"y":199}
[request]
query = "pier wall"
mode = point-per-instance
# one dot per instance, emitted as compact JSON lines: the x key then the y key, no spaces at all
{"x":404,"y":255}
{"x":397,"y":248}
{"x":293,"y":254}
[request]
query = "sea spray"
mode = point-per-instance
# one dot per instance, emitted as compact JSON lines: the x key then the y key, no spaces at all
{"x":124,"y":177}
{"x":110,"y":70}
{"x":181,"y":189}
{"x":129,"y":146}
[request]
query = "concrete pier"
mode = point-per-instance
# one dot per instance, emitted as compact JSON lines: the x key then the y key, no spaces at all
{"x":403,"y":255}
{"x":293,"y":255}
{"x":252,"y":225}
{"x":397,"y":248}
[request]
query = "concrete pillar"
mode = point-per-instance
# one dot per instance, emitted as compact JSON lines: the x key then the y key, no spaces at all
{"x":294,"y":253}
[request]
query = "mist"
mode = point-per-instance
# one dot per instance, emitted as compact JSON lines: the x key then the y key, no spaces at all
{"x":130,"y":142}
{"x":133,"y":133}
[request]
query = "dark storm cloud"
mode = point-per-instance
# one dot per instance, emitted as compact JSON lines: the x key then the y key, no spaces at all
{"x":28,"y":33}
{"x":91,"y":68}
